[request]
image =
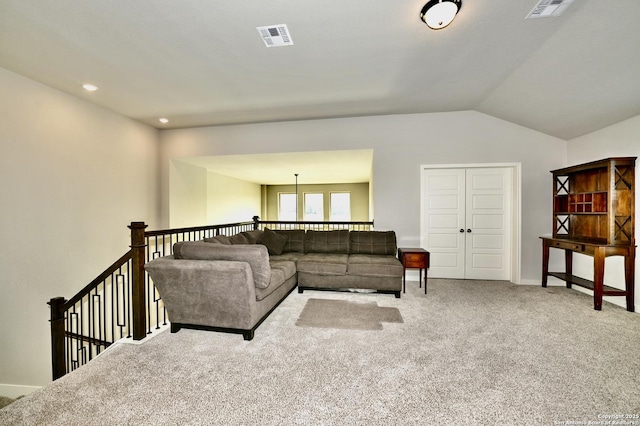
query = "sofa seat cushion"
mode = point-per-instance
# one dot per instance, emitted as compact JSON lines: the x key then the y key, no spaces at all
{"x":323,"y":264}
{"x":367,"y":265}
{"x":281,"y":271}
{"x":255,"y":255}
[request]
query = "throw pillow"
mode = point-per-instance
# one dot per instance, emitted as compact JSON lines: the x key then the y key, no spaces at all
{"x":273,"y":241}
{"x":254,"y":237}
{"x":238,"y":239}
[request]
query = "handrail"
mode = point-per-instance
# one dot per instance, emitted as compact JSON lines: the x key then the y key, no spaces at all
{"x":194,"y":229}
{"x":122,"y":301}
{"x":103,"y":276}
{"x":67,"y":315}
{"x":316,"y":224}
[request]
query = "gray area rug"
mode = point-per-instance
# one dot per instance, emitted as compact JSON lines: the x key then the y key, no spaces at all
{"x":345,"y":314}
{"x":468,"y":353}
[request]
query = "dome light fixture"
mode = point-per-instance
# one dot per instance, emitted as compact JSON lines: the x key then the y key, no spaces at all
{"x":163,"y":120}
{"x":90,"y":87}
{"x":437,"y":14}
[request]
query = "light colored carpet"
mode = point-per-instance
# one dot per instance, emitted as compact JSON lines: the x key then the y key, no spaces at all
{"x":330,"y":313}
{"x":468,"y":353}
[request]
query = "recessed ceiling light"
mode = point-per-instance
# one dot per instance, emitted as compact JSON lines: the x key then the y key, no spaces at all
{"x":90,"y":87}
{"x":163,"y":120}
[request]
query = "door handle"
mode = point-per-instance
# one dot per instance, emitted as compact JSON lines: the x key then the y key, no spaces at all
{"x":461,"y":230}
{"x":469,"y":230}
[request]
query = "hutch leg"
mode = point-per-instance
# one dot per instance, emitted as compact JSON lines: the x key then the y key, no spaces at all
{"x":545,"y":262}
{"x":420,"y":280}
{"x":598,"y":277}
{"x":629,"y":277}
{"x":568,"y":264}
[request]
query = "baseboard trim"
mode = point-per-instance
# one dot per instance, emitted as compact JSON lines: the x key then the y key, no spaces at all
{"x":14,"y":391}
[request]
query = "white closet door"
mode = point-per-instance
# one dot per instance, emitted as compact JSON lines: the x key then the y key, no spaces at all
{"x":488,"y":220}
{"x":466,"y":222}
{"x":443,"y":217}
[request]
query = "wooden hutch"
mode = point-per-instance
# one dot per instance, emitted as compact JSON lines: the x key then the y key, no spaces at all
{"x":594,"y":214}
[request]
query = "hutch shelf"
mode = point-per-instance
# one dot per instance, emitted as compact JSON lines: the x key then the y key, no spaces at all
{"x":594,"y":214}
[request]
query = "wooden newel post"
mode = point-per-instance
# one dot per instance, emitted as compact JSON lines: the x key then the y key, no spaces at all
{"x":138,"y":245}
{"x":58,"y":364}
{"x":256,"y":219}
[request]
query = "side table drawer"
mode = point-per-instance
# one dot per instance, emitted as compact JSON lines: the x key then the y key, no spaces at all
{"x":415,"y":263}
{"x":414,"y":257}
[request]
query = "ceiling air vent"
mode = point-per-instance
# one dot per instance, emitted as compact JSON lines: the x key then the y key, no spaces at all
{"x":275,"y":35}
{"x":549,"y":8}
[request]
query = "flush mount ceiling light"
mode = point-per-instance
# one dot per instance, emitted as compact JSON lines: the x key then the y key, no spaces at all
{"x":437,"y":14}
{"x":90,"y":87}
{"x":163,"y":120}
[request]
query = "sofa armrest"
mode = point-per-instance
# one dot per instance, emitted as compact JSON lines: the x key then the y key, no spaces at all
{"x":256,"y":255}
{"x":206,"y":292}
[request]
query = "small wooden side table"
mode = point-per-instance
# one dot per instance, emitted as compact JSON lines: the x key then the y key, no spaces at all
{"x":414,"y":258}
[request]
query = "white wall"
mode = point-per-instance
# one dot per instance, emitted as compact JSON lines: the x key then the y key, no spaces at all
{"x":401,"y":144}
{"x":73,"y":176}
{"x":619,"y":140}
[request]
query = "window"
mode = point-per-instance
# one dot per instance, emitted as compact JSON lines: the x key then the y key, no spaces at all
{"x":287,"y":207}
{"x":340,"y":207}
{"x":314,"y":207}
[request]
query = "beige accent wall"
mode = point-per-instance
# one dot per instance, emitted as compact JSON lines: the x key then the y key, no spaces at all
{"x":201,"y":197}
{"x":188,"y":192}
{"x":73,"y":175}
{"x":359,"y":198}
{"x":231,"y":200}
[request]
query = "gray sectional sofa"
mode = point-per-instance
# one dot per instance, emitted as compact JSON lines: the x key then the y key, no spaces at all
{"x":233,"y":283}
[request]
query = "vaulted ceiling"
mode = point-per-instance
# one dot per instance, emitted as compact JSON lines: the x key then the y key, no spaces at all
{"x":201,"y":63}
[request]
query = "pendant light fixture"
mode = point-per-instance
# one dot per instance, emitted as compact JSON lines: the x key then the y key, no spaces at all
{"x":437,"y":14}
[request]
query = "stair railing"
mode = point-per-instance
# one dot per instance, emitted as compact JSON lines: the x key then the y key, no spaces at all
{"x":122,"y":302}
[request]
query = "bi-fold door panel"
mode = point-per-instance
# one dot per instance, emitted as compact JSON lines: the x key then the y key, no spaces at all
{"x":466,"y":222}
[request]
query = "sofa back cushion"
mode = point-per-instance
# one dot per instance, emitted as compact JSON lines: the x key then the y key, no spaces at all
{"x":220,"y":239}
{"x":372,"y":242}
{"x":223,"y":239}
{"x":295,"y":240}
{"x":255,"y":255}
{"x":336,"y":241}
